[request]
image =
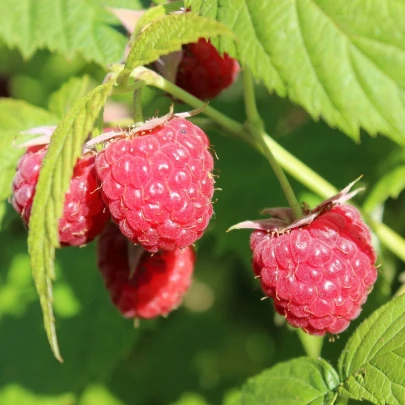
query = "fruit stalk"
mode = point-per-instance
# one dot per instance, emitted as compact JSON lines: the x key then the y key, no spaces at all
{"x":293,"y":166}
{"x":311,"y":344}
{"x":137,"y":105}
{"x":255,"y":126}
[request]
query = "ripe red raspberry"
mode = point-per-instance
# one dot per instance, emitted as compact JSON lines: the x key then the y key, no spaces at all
{"x":203,"y":72}
{"x":158,"y":184}
{"x":319,"y":274}
{"x":159,"y":281}
{"x":85,"y":213}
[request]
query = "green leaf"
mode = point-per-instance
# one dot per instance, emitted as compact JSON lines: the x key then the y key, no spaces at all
{"x":57,"y":168}
{"x":373,"y":362}
{"x":153,"y":13}
{"x":389,"y":185}
{"x":63,"y":99}
{"x":70,"y":27}
{"x":342,"y":61}
{"x":95,"y":339}
{"x":168,"y":34}
{"x":300,"y":381}
{"x":16,"y":116}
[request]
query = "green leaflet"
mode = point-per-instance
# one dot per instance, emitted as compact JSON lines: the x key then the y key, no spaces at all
{"x":153,"y":13}
{"x":299,"y":381}
{"x":342,"y":61}
{"x":94,"y":337}
{"x":167,"y":34}
{"x":62,"y":100}
{"x":389,"y":185}
{"x":64,"y":149}
{"x":70,"y":27}
{"x":372,"y":363}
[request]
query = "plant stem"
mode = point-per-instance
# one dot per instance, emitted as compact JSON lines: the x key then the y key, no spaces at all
{"x":311,"y":344}
{"x":341,"y":401}
{"x":151,"y":78}
{"x":255,"y":126}
{"x":304,"y":174}
{"x":137,"y":105}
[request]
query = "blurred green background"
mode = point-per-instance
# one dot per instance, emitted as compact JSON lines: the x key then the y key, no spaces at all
{"x":224,"y":333}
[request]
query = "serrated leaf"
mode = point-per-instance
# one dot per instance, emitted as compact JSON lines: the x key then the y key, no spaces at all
{"x":16,"y":116}
{"x":373,"y":362}
{"x":56,"y":171}
{"x":153,"y":13}
{"x":168,"y":34}
{"x":342,"y":61}
{"x":63,"y":99}
{"x":299,"y":381}
{"x":70,"y":27}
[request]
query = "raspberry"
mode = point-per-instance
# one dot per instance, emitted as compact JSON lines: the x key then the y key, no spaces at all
{"x":158,"y":184}
{"x":85,"y":213}
{"x":319,"y":275}
{"x":158,"y":284}
{"x":203,"y":72}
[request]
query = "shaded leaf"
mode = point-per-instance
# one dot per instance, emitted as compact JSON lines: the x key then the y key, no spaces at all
{"x":372,"y":364}
{"x":70,"y":27}
{"x":299,"y":381}
{"x":57,"y":168}
{"x":95,"y":338}
{"x":342,"y":61}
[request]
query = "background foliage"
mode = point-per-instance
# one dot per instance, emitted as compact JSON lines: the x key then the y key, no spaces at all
{"x":223,"y":334}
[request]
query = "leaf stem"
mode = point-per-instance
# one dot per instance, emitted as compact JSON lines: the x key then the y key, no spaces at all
{"x":293,"y":166}
{"x":255,"y":126}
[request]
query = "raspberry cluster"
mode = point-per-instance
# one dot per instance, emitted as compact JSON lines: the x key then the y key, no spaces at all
{"x":156,"y":182}
{"x":319,"y":274}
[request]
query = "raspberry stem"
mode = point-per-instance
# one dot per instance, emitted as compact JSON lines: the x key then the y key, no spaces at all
{"x":255,"y":126}
{"x":293,"y":166}
{"x":137,"y":105}
{"x":311,"y":344}
{"x":341,"y":400}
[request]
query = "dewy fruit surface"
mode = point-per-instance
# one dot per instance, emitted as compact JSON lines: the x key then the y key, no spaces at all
{"x":159,"y":281}
{"x":203,"y":72}
{"x":158,"y":185}
{"x":318,"y":275}
{"x":85,"y":213}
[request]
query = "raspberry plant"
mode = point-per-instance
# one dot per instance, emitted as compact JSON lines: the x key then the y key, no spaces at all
{"x":100,"y":80}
